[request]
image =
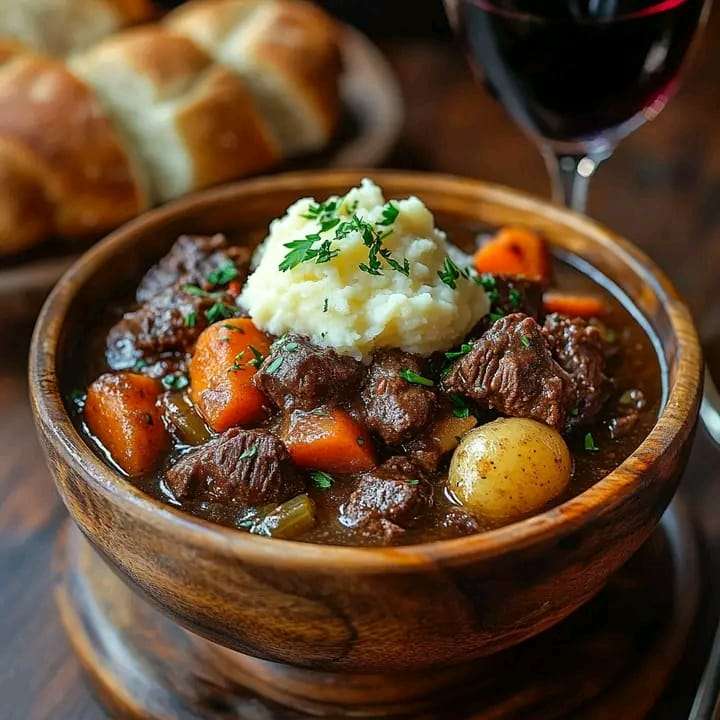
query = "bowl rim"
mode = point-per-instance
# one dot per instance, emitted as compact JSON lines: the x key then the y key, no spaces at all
{"x":674,"y":424}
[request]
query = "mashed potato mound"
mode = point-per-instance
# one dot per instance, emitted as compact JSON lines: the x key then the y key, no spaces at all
{"x":337,"y":304}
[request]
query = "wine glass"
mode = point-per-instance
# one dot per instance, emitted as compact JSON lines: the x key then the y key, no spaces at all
{"x":578,"y":75}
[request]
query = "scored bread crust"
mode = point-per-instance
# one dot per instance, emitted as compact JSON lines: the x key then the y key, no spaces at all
{"x":62,"y":27}
{"x":220,"y":90}
{"x":66,"y":169}
{"x":288,"y":53}
{"x":192,"y":122}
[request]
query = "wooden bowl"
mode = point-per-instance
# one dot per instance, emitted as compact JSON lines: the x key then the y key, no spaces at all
{"x":357,"y":627}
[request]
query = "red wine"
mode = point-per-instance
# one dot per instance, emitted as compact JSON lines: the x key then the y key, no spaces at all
{"x":578,"y":71}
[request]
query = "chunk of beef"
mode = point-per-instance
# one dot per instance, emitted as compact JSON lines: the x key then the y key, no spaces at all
{"x":510,"y":369}
{"x":460,"y":522}
{"x":379,"y":531}
{"x":168,"y":323}
{"x":579,"y":349}
{"x":250,"y":467}
{"x":299,"y":375}
{"x":393,"y":492}
{"x":395,"y":408}
{"x":627,"y":412}
{"x":191,"y":261}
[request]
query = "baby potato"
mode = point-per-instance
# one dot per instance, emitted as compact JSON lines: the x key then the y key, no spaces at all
{"x":509,"y":468}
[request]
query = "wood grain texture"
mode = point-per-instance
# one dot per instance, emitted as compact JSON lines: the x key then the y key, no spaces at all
{"x":146,"y":666}
{"x":660,"y":190}
{"x":353,"y":610}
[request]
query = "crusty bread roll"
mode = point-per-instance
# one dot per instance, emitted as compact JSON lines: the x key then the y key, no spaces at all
{"x":222,"y":89}
{"x":61,"y":27}
{"x":286,"y":50}
{"x":63,"y":167}
{"x":192,"y":122}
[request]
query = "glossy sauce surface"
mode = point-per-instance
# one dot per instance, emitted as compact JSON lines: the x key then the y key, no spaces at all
{"x":634,"y":365}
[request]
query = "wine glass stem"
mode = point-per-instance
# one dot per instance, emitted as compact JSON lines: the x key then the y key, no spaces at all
{"x":570,"y":175}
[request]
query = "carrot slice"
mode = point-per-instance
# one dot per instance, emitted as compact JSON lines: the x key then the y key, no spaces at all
{"x":515,"y":251}
{"x":221,"y":371}
{"x":122,"y":412}
{"x":331,"y":441}
{"x":582,"y":306}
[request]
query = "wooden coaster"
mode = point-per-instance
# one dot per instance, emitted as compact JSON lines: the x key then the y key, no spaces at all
{"x":611,"y":659}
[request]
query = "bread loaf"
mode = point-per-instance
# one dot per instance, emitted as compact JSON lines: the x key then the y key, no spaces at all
{"x":192,"y":122}
{"x":287,"y":52}
{"x":221,"y":89}
{"x":61,"y":27}
{"x":63,"y":168}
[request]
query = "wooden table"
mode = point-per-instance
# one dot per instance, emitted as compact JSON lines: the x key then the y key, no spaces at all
{"x":661,"y":190}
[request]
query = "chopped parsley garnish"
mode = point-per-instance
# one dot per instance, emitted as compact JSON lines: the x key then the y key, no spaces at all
{"x":496,"y":315}
{"x":304,"y":250}
{"x":413,"y":377}
{"x":234,"y":328}
{"x":488,"y":282}
{"x":413,"y":482}
{"x":450,"y":273}
{"x":237,"y":362}
{"x":258,"y":358}
{"x":274,"y":366}
{"x":220,"y":311}
{"x":525,"y":341}
{"x":249,"y":452}
{"x":175,"y":381}
{"x":389,"y":214}
{"x":515,"y":297}
{"x":322,"y":480}
{"x":191,"y":319}
{"x":290,"y":347}
{"x":325,"y":305}
{"x":590,"y":445}
{"x":465,"y":348}
{"x":140,"y":363}
{"x":460,"y":408}
{"x":493,"y":296}
{"x":316,"y":248}
{"x":199,"y":292}
{"x":223,"y":275}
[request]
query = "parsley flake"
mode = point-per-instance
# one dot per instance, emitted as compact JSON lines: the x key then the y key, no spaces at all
{"x":464,"y":349}
{"x":191,"y":319}
{"x":199,"y":292}
{"x":450,"y":273}
{"x":249,"y":452}
{"x":514,"y":297}
{"x":325,"y":305}
{"x":590,"y":445}
{"x":525,"y":341}
{"x":414,"y":378}
{"x":175,"y":381}
{"x":413,"y":482}
{"x":237,"y":362}
{"x":223,"y":275}
{"x":219,"y":311}
{"x":389,"y":214}
{"x":460,"y":408}
{"x":274,"y":366}
{"x":258,"y":357}
{"x":322,"y":480}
